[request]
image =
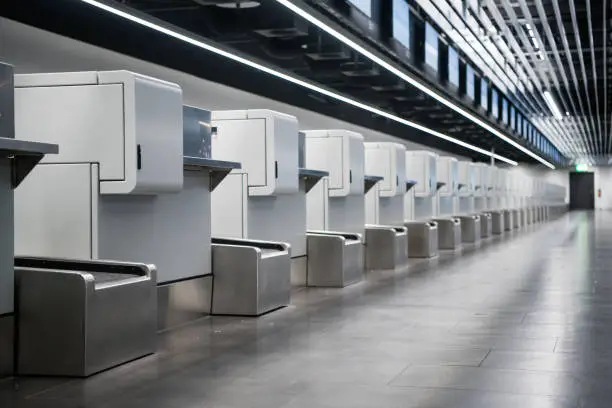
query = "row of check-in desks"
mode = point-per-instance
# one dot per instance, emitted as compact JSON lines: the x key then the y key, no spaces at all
{"x":135,"y":185}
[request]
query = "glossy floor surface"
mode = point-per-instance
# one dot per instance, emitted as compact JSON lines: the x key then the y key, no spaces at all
{"x":523,"y":321}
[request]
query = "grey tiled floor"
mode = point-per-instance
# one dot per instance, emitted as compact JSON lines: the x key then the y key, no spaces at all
{"x":523,"y":321}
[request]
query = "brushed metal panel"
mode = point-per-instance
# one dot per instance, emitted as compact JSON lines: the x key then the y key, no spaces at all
{"x":486,"y":225}
{"x":251,"y":277}
{"x":299,"y":270}
{"x":183,"y":302}
{"x":334,"y":260}
{"x":422,"y":239}
{"x":76,"y":318}
{"x":470,"y":229}
{"x":497,"y":227}
{"x":386,"y":247}
{"x":449,"y":233}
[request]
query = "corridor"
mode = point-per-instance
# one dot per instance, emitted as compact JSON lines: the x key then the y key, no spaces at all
{"x":524,"y":321}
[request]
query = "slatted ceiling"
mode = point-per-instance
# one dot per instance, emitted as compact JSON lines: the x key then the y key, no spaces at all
{"x":573,"y":39}
{"x":273,"y":34}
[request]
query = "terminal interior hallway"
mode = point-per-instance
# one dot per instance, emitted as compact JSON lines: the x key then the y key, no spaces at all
{"x":524,"y":321}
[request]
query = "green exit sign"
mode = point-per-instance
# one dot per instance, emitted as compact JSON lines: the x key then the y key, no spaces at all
{"x":582,"y":167}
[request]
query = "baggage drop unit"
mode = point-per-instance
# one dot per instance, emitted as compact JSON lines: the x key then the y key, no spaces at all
{"x":335,"y":208}
{"x":504,"y":182}
{"x":119,"y":189}
{"x":519,"y":199}
{"x":481,"y":202}
{"x":449,"y":226}
{"x":420,"y":204}
{"x":493,"y":202}
{"x":470,"y":223}
{"x":261,"y":205}
{"x":17,"y":159}
{"x":386,"y":238}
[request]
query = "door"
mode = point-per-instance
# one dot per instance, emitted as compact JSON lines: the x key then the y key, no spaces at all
{"x":582,"y":191}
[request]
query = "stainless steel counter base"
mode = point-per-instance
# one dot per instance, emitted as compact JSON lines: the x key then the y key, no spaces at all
{"x":522,"y":217}
{"x":529,"y":215}
{"x":486,"y":225}
{"x":250,"y":277}
{"x":497,"y":221}
{"x":516,"y":218}
{"x":106,"y":316}
{"x":470,"y":228}
{"x":508,"y":220}
{"x":334,"y":259}
{"x":7,"y":346}
{"x":183,"y":302}
{"x":449,"y":233}
{"x":422,"y":239}
{"x":386,"y":246}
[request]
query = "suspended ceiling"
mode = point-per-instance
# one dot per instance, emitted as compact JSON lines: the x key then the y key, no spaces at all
{"x":493,"y":35}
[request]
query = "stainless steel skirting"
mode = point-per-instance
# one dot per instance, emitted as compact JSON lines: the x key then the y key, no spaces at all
{"x":182,"y":302}
{"x":299,"y":270}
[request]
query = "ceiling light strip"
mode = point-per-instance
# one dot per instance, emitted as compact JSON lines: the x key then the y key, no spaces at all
{"x":175,"y":34}
{"x":389,"y":67}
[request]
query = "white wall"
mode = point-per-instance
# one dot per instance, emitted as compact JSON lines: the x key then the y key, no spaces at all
{"x":559,"y":177}
{"x":32,"y":50}
{"x":603,"y":181}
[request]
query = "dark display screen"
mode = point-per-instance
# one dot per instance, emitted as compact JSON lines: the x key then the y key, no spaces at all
{"x":470,"y":82}
{"x":401,"y":22}
{"x":494,"y":104}
{"x":453,"y":67}
{"x":484,"y":94}
{"x":431,"y":47}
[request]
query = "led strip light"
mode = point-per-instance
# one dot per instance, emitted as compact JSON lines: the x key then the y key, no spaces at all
{"x":190,"y":40}
{"x":402,"y":75}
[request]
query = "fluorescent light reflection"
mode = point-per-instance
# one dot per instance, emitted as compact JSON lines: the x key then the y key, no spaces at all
{"x":400,"y":74}
{"x":190,"y":40}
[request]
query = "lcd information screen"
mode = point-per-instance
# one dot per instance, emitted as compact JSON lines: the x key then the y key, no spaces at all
{"x":504,"y":111}
{"x":494,"y":104}
{"x":470,"y":82}
{"x":484,"y":94}
{"x":401,"y":22}
{"x":453,"y":67}
{"x":365,"y":6}
{"x":431,"y":47}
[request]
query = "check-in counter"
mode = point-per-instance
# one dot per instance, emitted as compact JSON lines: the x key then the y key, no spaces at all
{"x":386,"y":236}
{"x":335,"y":208}
{"x":119,"y":189}
{"x":137,"y":168}
{"x":17,"y":159}
{"x":449,"y":226}
{"x":262,"y":206}
{"x":420,"y":206}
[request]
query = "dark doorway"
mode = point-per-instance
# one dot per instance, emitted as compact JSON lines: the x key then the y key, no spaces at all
{"x":582,"y":191}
